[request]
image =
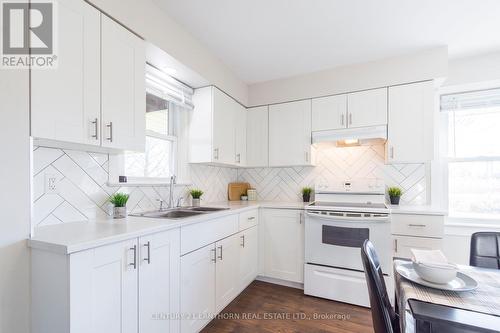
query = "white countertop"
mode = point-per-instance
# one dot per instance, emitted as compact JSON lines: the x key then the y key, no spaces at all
{"x":417,"y":210}
{"x":68,"y":238}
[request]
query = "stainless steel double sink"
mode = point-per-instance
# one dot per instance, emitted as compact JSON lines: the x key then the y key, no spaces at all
{"x":180,"y":212}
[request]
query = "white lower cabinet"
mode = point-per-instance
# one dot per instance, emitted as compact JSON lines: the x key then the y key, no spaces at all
{"x":212,"y":276}
{"x":117,"y":288}
{"x":159,"y":268}
{"x":282,"y":232}
{"x":197,"y":288}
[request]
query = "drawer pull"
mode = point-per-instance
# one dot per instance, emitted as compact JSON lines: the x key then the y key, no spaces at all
{"x":251,"y":218}
{"x":417,"y":225}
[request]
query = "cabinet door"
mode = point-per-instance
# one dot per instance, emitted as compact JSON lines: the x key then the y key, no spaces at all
{"x":226,"y":286}
{"x":410,"y":131}
{"x":257,"y":137}
{"x":403,"y":245}
{"x":290,"y":134}
{"x":123,"y":96}
{"x":159,"y":274}
{"x":283,"y":255}
{"x":329,"y":113}
{"x":224,"y":109}
{"x":248,"y":257}
{"x":65,"y":101}
{"x":197,"y":288}
{"x":241,"y":136}
{"x":367,"y":108}
{"x":103,"y":289}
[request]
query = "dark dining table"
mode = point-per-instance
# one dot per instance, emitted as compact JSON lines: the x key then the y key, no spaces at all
{"x":429,"y":310}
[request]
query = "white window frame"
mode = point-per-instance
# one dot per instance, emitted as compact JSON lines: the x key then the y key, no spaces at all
{"x":444,"y":160}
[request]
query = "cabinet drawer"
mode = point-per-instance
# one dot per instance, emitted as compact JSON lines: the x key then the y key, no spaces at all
{"x":249,"y":219}
{"x":403,"y":245}
{"x":197,"y":235}
{"x":417,"y":225}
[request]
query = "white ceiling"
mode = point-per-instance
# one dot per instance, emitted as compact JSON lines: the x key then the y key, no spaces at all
{"x":263,"y":40}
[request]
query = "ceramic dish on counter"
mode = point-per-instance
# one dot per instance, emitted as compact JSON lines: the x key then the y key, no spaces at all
{"x":461,"y":282}
{"x":436,"y":272}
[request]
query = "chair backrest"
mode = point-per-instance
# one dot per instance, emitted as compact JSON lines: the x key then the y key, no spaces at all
{"x":385,"y":319}
{"x":485,"y":250}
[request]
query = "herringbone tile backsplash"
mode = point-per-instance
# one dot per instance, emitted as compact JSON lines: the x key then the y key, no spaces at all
{"x":83,"y":191}
{"x":333,"y":166}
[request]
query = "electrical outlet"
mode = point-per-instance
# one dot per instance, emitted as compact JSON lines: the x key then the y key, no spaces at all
{"x":51,"y":184}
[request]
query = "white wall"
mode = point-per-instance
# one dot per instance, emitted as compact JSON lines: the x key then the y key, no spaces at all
{"x":415,"y":67}
{"x":475,"y":69}
{"x":152,"y":23}
{"x":14,"y":202}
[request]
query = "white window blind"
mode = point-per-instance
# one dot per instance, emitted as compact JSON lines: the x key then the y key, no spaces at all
{"x":168,"y":88}
{"x":479,"y":99}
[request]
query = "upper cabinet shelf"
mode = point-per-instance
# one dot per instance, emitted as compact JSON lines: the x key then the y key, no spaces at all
{"x":96,"y":96}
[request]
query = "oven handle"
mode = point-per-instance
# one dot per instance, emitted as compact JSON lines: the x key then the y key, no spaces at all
{"x":354,"y":219}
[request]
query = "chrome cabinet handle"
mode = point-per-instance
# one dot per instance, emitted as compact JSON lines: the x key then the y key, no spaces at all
{"x":242,"y":241}
{"x":251,"y":218}
{"x":214,"y":258}
{"x":395,"y":245}
{"x":216,"y":153}
{"x":350,"y":118}
{"x":110,"y":126}
{"x":392,"y":151}
{"x":238,"y":158}
{"x":134,"y":264}
{"x":342,"y":119}
{"x":96,"y":126}
{"x":220,"y":256}
{"x":148,"y":259}
{"x":301,"y":217}
{"x":307,"y":156}
{"x":417,"y":225}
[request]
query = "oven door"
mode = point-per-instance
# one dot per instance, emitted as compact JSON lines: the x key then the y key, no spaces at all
{"x":336,"y":241}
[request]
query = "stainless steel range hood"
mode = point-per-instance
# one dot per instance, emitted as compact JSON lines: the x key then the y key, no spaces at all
{"x":346,"y":137}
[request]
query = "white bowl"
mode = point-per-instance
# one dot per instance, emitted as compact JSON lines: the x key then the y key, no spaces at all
{"x":439,"y":273}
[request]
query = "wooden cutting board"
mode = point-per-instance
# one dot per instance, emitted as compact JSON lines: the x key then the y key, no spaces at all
{"x":236,"y":190}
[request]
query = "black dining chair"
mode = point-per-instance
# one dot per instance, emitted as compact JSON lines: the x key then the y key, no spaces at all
{"x":385,"y":319}
{"x":485,"y":250}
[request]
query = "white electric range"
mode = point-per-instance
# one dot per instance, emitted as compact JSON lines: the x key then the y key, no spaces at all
{"x":336,"y":226}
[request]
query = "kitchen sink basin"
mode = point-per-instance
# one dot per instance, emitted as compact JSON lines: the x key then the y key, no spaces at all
{"x":179,"y":213}
{"x":206,"y":209}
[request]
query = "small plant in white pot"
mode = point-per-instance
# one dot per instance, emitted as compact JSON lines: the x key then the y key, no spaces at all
{"x":196,"y":195}
{"x":119,"y":201}
{"x":394,"y":194}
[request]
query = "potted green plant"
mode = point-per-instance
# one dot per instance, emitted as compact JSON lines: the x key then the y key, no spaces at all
{"x":394,"y":194}
{"x":306,"y":194}
{"x":196,"y":195}
{"x":119,"y":201}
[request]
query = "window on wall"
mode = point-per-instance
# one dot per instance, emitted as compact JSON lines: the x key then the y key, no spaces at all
{"x":473,"y":153}
{"x":167,"y":100}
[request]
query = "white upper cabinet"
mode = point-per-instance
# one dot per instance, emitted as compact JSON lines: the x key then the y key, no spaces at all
{"x":96,"y":95}
{"x":123,"y":87}
{"x":410,"y":131}
{"x":217,"y":129}
{"x":367,"y":108}
{"x":290,"y":134}
{"x":329,"y":113}
{"x":65,"y":101}
{"x":241,"y":136}
{"x":258,"y":137}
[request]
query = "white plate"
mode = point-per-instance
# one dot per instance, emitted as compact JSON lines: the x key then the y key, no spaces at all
{"x":462,"y":282}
